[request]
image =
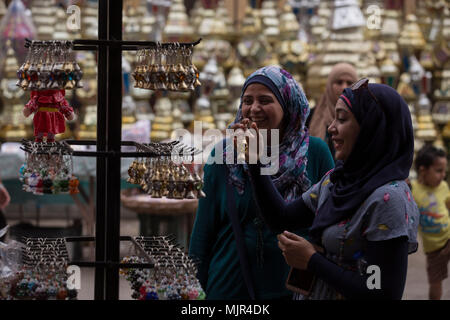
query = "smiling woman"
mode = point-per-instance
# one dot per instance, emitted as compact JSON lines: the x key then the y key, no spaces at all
{"x":362,"y":212}
{"x":343,"y":130}
{"x":272,"y":99}
{"x":260,"y":105}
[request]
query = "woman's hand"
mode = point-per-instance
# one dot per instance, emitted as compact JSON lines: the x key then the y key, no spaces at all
{"x":254,"y":142}
{"x":296,"y":250}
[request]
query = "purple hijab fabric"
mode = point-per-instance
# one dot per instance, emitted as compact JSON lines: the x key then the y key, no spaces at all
{"x":383,"y":152}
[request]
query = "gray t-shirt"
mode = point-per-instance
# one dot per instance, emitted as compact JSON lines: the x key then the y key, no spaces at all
{"x":389,"y":212}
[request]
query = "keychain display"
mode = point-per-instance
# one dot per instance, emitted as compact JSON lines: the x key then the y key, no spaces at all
{"x":49,"y":69}
{"x":166,"y":68}
{"x":162,"y":177}
{"x":173,"y":276}
{"x":43,"y":274}
{"x":48,"y":169}
{"x":49,"y":65}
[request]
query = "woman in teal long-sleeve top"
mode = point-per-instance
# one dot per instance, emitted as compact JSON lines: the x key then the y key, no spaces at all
{"x":274,"y":100}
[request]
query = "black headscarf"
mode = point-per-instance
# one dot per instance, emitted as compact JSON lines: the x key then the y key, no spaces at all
{"x":383,"y":152}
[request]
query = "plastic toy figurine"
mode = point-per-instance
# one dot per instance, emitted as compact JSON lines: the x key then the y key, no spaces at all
{"x":73,"y":185}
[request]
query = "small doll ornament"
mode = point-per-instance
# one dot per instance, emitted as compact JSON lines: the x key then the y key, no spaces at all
{"x":22,"y":171}
{"x":193,"y":294}
{"x":157,"y":185}
{"x":198,"y":185}
{"x":170,"y":186}
{"x":62,"y":294}
{"x":189,"y":181}
{"x":48,"y":185}
{"x":49,"y":108}
{"x":32,"y":182}
{"x":179,"y":185}
{"x":39,"y":186}
{"x":26,"y":181}
{"x":64,"y":186}
{"x":73,"y":185}
{"x":201,"y":295}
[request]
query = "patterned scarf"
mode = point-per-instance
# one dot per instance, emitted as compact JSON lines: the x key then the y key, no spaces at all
{"x":291,"y":179}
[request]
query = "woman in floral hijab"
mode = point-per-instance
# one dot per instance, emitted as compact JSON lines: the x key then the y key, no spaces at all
{"x":273,"y":99}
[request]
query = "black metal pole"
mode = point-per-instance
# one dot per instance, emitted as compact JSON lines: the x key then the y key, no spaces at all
{"x":128,"y":45}
{"x":100,"y":226}
{"x":113,"y":137}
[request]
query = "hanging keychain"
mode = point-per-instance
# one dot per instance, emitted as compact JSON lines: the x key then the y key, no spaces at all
{"x":74,"y":182}
{"x":47,"y":72}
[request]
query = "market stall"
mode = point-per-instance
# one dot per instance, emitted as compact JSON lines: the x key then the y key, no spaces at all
{"x":142,"y":80}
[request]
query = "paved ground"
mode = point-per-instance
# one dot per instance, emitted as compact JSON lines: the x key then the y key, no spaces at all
{"x":416,"y":282}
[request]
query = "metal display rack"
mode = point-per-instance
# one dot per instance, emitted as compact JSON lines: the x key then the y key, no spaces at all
{"x":109,"y":47}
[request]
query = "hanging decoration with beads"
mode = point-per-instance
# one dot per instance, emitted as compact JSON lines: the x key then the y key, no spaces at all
{"x":49,"y":69}
{"x":48,"y":169}
{"x":42,"y":274}
{"x":164,"y":175}
{"x":173,"y":276}
{"x":166,"y":67}
{"x":49,"y":65}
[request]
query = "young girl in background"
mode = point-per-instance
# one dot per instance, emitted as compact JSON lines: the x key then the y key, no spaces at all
{"x":432,"y":196}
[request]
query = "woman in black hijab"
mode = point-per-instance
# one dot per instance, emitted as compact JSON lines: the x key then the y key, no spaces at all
{"x":361,"y":213}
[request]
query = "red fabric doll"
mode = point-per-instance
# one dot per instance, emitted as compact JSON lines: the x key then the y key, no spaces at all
{"x":50,"y":108}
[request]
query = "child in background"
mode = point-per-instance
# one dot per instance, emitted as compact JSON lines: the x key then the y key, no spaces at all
{"x":432,"y":196}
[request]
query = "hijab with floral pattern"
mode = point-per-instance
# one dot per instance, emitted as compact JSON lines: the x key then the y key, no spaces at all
{"x":291,"y":179}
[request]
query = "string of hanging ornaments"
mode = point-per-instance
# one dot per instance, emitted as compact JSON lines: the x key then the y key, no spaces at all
{"x":41,"y":272}
{"x":49,"y":65}
{"x":169,"y":67}
{"x":49,"y":69}
{"x":48,"y":169}
{"x":166,"y":175}
{"x":166,"y":67}
{"x":173,"y":276}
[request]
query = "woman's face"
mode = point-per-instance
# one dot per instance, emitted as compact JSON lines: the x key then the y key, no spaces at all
{"x":344,"y":131}
{"x":344,"y":81}
{"x":260,"y":105}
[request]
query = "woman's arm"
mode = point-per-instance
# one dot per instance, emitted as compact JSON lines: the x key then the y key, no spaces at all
{"x":391,"y":256}
{"x":278,"y":214}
